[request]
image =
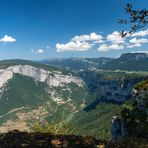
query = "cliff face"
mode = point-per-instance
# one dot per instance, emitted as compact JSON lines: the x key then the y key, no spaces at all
{"x":111,"y":86}
{"x":52,"y":78}
{"x":118,"y":90}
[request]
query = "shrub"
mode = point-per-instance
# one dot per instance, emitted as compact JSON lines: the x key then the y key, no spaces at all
{"x":62,"y":128}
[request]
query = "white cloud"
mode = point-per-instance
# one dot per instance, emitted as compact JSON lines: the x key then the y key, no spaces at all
{"x":40,"y":51}
{"x":92,"y":37}
{"x":105,"y":47}
{"x":73,"y":46}
{"x":141,"y":33}
{"x":7,"y":39}
{"x":115,"y":38}
{"x":37,"y":51}
{"x":112,"y":41}
{"x":80,"y":43}
{"x":134,"y":45}
{"x":135,"y":40}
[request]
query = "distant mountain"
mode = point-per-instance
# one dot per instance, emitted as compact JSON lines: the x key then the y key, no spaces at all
{"x":78,"y":63}
{"x":129,"y":61}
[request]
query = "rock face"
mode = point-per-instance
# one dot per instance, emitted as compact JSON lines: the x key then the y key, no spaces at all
{"x":54,"y":78}
{"x":112,"y":89}
{"x":5,"y":75}
{"x":118,"y":128}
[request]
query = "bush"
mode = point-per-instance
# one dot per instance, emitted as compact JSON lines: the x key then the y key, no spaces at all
{"x":62,"y":128}
{"x":135,"y":120}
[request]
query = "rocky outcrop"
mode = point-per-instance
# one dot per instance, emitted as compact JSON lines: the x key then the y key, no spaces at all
{"x":52,"y":78}
{"x":5,"y":75}
{"x":118,"y":128}
{"x":113,"y":89}
{"x":46,"y":140}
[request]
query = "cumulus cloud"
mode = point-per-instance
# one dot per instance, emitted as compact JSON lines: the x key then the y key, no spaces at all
{"x":105,"y":47}
{"x":112,"y":41}
{"x":7,"y":39}
{"x":140,"y":33}
{"x":37,"y":51}
{"x":40,"y":51}
{"x":73,"y":46}
{"x":92,"y":37}
{"x":80,"y":43}
{"x":135,"y":40}
{"x":115,"y":38}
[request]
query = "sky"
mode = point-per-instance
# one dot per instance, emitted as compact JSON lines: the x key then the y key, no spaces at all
{"x":39,"y":29}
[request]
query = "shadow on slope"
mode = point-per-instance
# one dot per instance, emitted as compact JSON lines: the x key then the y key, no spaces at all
{"x":34,"y":140}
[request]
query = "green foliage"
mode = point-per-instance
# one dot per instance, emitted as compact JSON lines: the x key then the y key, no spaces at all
{"x":138,"y":19}
{"x":62,"y":128}
{"x":96,"y":123}
{"x":130,"y":142}
{"x":22,"y":91}
{"x":142,"y":86}
{"x":135,"y":120}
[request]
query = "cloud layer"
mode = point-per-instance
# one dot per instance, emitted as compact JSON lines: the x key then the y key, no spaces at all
{"x":110,"y":42}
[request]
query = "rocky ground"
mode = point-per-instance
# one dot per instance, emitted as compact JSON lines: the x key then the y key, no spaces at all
{"x":16,"y":139}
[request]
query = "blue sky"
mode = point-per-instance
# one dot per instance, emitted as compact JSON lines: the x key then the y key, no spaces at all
{"x":38,"y":29}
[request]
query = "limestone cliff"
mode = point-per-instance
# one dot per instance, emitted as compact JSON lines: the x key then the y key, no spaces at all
{"x":52,"y":78}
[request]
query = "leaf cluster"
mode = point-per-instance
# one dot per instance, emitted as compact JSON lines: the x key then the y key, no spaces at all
{"x":138,"y":19}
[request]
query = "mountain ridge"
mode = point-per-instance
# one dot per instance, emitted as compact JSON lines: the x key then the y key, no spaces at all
{"x":127,"y":61}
